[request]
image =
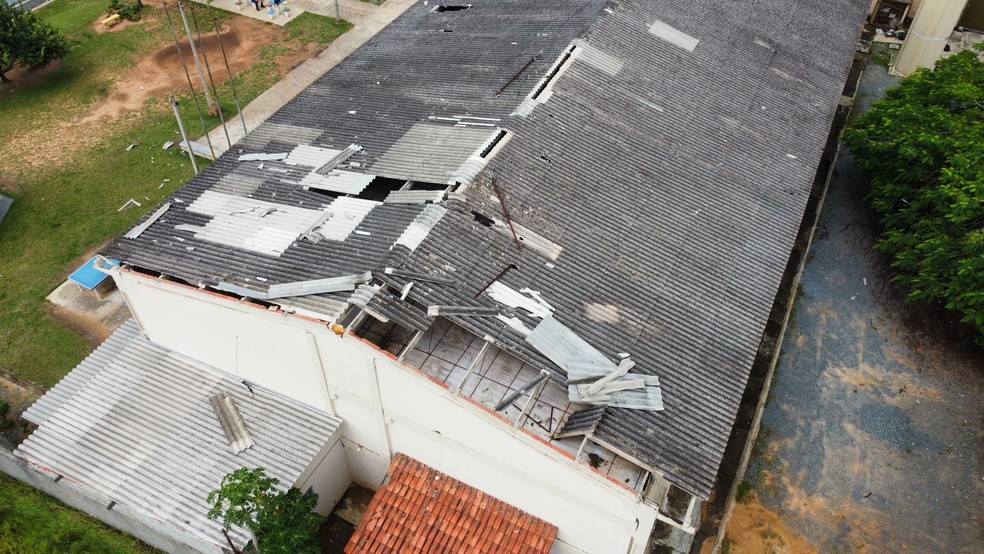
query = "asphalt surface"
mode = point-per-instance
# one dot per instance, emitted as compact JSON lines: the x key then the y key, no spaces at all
{"x":872,"y":437}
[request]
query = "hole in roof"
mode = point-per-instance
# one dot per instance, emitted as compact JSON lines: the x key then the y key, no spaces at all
{"x":484,"y":220}
{"x":441,"y":8}
{"x":380,"y":187}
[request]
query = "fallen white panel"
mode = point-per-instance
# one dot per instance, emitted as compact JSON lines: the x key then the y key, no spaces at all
{"x":533,"y":304}
{"x":673,"y":36}
{"x":564,"y":347}
{"x":649,"y":397}
{"x":192,"y":228}
{"x":318,"y":286}
{"x":262,"y":157}
{"x":623,"y":367}
{"x":251,"y":224}
{"x":136,"y":231}
{"x":414,"y":196}
{"x":337,"y":160}
{"x":346,"y":215}
{"x":310,"y":156}
{"x":342,"y":182}
{"x":515,"y":323}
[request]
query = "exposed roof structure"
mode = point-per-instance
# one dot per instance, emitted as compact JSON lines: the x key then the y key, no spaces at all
{"x":656,"y":162}
{"x":134,"y":422}
{"x":420,"y":509}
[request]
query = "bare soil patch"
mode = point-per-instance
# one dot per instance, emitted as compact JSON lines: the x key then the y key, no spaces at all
{"x":101,"y":29}
{"x":150,"y":81}
{"x":24,"y":77}
{"x":756,"y":530}
{"x":18,"y":394}
{"x":161,"y":73}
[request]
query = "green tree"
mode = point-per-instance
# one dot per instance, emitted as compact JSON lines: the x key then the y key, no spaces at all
{"x":282,"y":522}
{"x":27,"y":40}
{"x":923,"y":147}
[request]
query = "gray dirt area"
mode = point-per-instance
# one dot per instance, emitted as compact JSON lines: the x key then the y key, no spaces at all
{"x":872,"y":437}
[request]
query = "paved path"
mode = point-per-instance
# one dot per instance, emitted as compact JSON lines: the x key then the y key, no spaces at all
{"x":367,"y":20}
{"x":872,"y":439}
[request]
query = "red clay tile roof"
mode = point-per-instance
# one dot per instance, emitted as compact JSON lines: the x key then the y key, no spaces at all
{"x":420,"y":509}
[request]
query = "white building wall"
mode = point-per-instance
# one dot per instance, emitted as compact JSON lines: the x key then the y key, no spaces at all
{"x":328,"y":476}
{"x":388,"y":407}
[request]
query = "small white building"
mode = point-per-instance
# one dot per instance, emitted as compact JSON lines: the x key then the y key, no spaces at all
{"x":150,"y":432}
{"x":533,"y":245}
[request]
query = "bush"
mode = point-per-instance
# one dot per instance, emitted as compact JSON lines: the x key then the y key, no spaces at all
{"x":282,"y":522}
{"x":126,"y":10}
{"x":27,"y":40}
{"x":923,"y":146}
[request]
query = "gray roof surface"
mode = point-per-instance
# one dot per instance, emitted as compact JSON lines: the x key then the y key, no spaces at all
{"x":671,"y":181}
{"x":133,"y":421}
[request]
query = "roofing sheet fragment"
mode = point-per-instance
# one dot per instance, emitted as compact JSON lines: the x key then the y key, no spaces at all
{"x":421,"y":226}
{"x":251,"y":224}
{"x":310,"y":156}
{"x":431,"y":153}
{"x":231,"y":422}
{"x":673,"y":35}
{"x":346,"y":214}
{"x":524,"y":298}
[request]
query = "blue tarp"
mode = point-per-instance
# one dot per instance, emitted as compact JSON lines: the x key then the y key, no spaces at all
{"x":88,"y":277}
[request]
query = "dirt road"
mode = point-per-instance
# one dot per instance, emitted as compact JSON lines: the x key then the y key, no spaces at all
{"x":872,"y":439}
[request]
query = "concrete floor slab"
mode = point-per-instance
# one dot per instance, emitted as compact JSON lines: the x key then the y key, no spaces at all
{"x":96,"y":315}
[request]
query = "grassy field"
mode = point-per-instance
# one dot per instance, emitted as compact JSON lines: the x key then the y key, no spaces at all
{"x":66,"y":208}
{"x":33,"y":523}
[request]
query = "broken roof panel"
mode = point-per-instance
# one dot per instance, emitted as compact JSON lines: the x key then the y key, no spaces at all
{"x":433,"y":153}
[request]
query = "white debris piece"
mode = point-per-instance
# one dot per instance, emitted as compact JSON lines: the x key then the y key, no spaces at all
{"x":507,"y":296}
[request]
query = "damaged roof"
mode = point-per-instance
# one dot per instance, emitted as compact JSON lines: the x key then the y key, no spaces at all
{"x":657,"y":163}
{"x":135,"y":422}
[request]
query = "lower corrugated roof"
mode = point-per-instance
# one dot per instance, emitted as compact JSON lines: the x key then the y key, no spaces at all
{"x":134,"y":422}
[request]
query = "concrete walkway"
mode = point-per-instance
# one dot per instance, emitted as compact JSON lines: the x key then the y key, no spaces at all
{"x":367,"y":20}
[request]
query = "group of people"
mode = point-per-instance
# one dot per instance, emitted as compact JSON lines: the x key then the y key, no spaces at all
{"x":271,"y":4}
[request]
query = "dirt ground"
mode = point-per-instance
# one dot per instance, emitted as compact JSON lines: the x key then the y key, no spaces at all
{"x":149,"y":82}
{"x":873,"y":437}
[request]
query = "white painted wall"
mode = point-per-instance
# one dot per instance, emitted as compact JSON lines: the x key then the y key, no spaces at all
{"x":328,"y":475}
{"x":388,"y":407}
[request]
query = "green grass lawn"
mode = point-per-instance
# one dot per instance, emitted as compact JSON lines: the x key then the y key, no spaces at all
{"x":32,"y":522}
{"x":61,"y":211}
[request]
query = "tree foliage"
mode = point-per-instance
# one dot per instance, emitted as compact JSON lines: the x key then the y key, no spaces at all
{"x":282,"y":522}
{"x":27,"y":40}
{"x":923,"y":146}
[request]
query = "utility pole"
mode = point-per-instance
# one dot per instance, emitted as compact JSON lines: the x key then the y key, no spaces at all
{"x":213,"y":107}
{"x":184,"y":135}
